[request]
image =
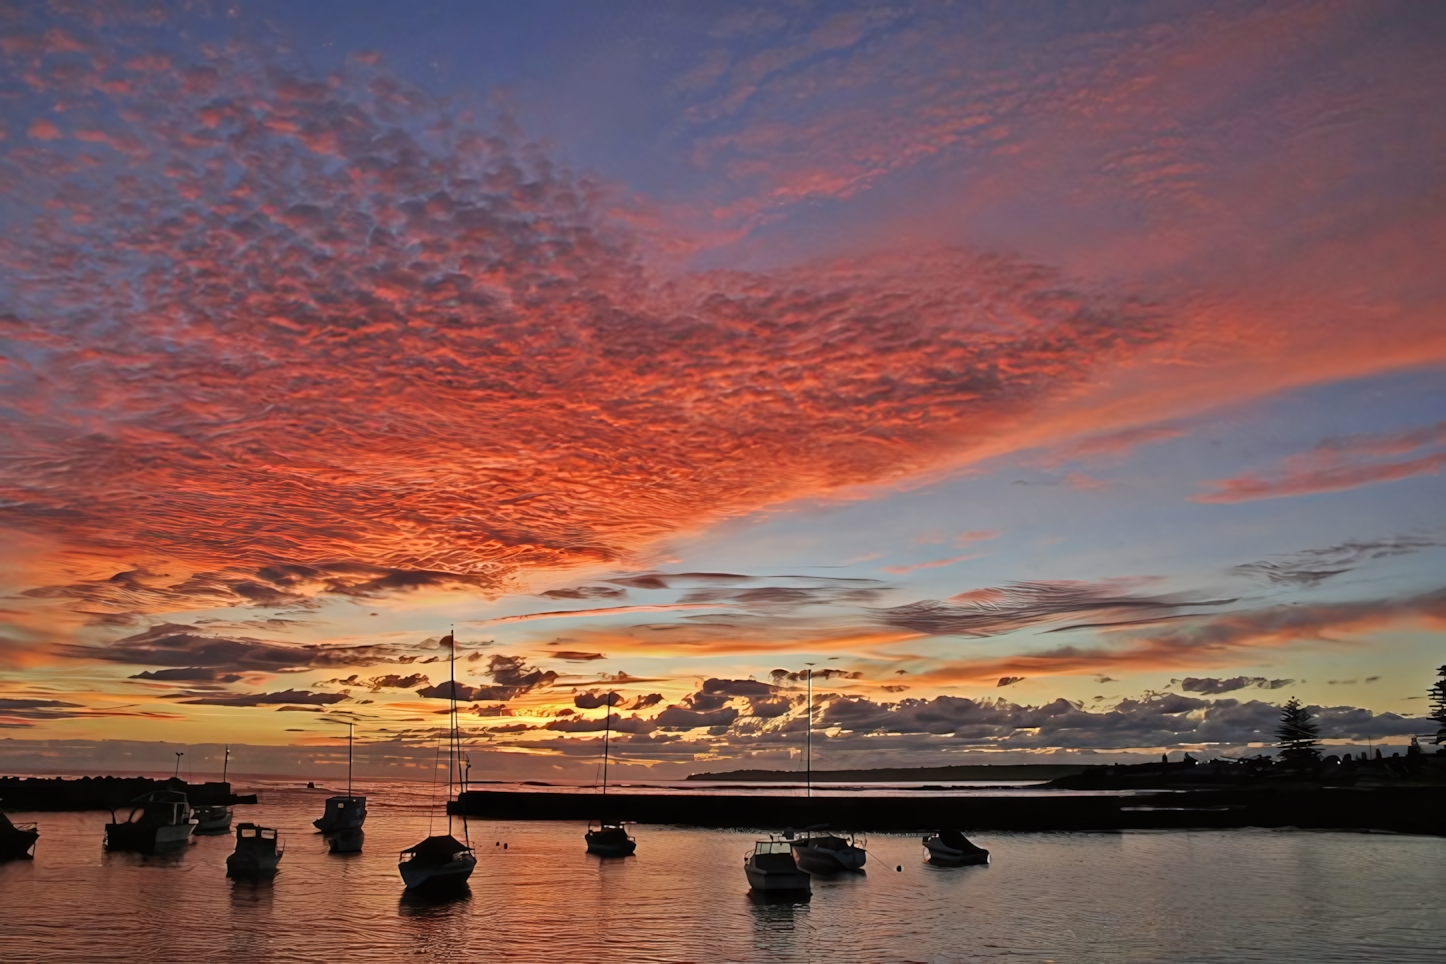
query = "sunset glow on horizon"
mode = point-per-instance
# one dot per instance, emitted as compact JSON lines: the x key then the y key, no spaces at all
{"x":1055,"y":385}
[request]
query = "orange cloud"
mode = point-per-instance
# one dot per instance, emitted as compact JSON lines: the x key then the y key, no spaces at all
{"x":901,"y":570}
{"x":1338,"y":464}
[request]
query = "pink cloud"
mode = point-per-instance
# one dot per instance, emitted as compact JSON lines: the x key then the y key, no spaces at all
{"x":935,"y":564}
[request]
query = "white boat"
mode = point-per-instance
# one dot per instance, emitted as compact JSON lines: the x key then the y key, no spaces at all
{"x":258,"y":852}
{"x":771,"y":868}
{"x":950,"y":848}
{"x":826,"y":853}
{"x":159,"y":821}
{"x":212,"y":821}
{"x":441,"y":861}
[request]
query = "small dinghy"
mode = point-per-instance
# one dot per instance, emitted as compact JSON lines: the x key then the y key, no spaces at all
{"x":257,"y":852}
{"x":212,"y":821}
{"x":950,"y":848}
{"x":17,"y":840}
{"x":609,"y":839}
{"x":771,"y":868}
{"x":159,"y":821}
{"x":829,"y":853}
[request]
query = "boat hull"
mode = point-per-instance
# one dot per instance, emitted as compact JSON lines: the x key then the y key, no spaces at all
{"x":210,"y":824}
{"x":777,"y":881}
{"x":826,"y":860}
{"x":18,"y":843}
{"x":146,"y":839}
{"x":611,"y":842}
{"x":945,"y":856}
{"x":453,"y":873}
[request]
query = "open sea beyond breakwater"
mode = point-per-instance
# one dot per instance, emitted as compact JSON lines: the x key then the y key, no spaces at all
{"x":1237,"y":895}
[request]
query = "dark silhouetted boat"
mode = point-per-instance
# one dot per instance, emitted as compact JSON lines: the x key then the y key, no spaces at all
{"x":826,"y":853}
{"x":346,"y":836}
{"x":950,"y":848}
{"x":608,"y":838}
{"x":257,"y":854}
{"x":158,"y":821}
{"x":771,"y":868}
{"x":17,"y":840}
{"x":442,"y":861}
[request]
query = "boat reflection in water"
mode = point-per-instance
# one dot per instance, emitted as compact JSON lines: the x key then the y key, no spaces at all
{"x":257,"y":854}
{"x":347,"y":841}
{"x":771,"y":869}
{"x":442,"y":862}
{"x":950,"y":848}
{"x":17,"y":840}
{"x":159,"y":821}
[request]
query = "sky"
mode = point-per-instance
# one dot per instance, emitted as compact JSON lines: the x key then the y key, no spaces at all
{"x":1050,"y":381}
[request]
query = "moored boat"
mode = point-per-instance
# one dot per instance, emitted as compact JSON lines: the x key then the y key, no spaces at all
{"x":437,"y":862}
{"x":17,"y":840}
{"x":950,"y":848}
{"x":342,"y":813}
{"x":211,"y":821}
{"x":258,"y":852}
{"x":441,"y":861}
{"x":609,"y":839}
{"x":827,"y":853}
{"x":771,"y":868}
{"x":158,"y":821}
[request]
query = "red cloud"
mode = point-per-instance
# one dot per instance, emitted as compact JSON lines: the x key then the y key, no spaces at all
{"x":312,"y":339}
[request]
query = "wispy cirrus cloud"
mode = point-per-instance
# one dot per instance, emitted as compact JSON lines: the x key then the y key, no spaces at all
{"x":1338,"y":464}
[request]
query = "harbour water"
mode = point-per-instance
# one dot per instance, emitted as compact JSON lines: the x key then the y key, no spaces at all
{"x":1242,"y":895}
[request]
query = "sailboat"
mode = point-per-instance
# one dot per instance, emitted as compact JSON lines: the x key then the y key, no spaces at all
{"x":348,"y":839}
{"x":608,"y":838}
{"x":343,"y":813}
{"x":824,"y":853}
{"x":442,"y":861}
{"x":214,"y":820}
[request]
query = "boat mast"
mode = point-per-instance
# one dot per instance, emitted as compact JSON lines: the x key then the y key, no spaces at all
{"x":349,"y":728}
{"x":452,"y":718}
{"x":226,"y":765}
{"x":607,"y":731}
{"x":808,"y":739}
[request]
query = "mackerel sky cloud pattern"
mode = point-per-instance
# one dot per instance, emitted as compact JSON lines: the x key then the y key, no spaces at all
{"x":947,"y":348}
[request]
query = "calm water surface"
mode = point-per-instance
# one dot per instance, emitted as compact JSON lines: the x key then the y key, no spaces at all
{"x":1178,"y":896}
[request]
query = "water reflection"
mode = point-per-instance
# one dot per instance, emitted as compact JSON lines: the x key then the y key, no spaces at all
{"x":437,"y":902}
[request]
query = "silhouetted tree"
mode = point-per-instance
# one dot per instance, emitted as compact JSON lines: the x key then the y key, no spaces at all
{"x":1438,"y":704}
{"x":1297,"y":735}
